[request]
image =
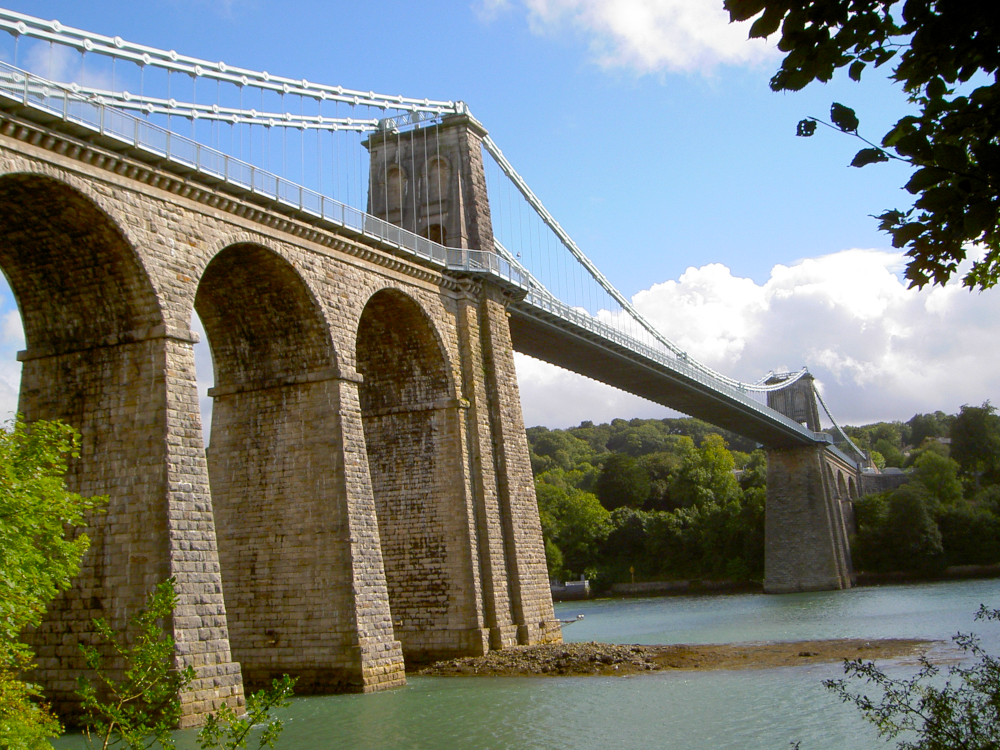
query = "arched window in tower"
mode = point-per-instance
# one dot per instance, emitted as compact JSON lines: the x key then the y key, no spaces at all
{"x":395,"y":188}
{"x":438,"y":179}
{"x":799,"y":403}
{"x":436,"y":233}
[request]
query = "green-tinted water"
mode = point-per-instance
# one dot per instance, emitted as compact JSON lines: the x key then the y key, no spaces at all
{"x":739,"y":709}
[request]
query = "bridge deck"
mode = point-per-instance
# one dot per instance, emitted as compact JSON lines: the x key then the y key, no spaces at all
{"x":553,"y":339}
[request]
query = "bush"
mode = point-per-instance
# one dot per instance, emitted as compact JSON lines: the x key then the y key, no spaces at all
{"x":39,"y":555}
{"x":970,"y":535}
{"x":962,"y":712}
{"x":896,"y":532}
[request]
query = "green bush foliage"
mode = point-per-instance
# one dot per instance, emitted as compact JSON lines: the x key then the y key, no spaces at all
{"x":961,"y":711}
{"x":670,"y":499}
{"x":40,"y":551}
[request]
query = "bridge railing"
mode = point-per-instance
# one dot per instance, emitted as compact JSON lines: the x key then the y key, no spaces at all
{"x":541,"y":299}
{"x":45,"y":100}
{"x":186,"y":156}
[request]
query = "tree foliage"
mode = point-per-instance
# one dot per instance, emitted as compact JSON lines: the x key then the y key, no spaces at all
{"x":975,"y":441}
{"x":142,"y":705}
{"x":961,"y":711}
{"x":39,"y":555}
{"x":946,"y":56}
{"x":229,"y":730}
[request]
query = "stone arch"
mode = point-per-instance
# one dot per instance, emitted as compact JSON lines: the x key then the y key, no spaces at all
{"x":77,"y":280}
{"x":95,"y":358}
{"x":276,"y":470}
{"x":413,"y":437}
{"x":841,"y":486}
{"x":852,"y":488}
{"x":435,"y":233}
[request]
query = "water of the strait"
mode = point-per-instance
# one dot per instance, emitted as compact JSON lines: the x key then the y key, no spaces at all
{"x":749,"y":709}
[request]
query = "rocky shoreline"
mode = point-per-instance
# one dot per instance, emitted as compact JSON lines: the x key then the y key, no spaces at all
{"x":583,"y":659}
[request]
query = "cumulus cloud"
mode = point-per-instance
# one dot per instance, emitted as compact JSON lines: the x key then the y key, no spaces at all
{"x":646,"y":35}
{"x":878,"y":349}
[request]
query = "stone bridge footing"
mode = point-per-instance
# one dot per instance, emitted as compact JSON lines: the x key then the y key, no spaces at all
{"x":806,"y":536}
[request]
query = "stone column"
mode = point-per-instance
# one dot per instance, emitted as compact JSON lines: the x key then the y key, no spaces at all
{"x":482,"y":470}
{"x":380,"y":655}
{"x":303,"y":575}
{"x":805,"y":549}
{"x":531,"y":597}
{"x":135,"y":404}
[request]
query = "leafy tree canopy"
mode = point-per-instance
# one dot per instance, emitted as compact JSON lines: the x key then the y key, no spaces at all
{"x":975,"y":441}
{"x":946,"y":55}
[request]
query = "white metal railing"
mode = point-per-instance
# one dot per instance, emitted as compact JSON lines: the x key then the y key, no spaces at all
{"x":541,"y":299}
{"x":146,"y":139}
{"x":20,"y":24}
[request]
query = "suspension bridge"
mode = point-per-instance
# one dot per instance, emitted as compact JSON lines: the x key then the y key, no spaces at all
{"x":364,"y":265}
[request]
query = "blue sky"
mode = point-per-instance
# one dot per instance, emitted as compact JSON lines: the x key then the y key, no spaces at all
{"x":648,"y":129}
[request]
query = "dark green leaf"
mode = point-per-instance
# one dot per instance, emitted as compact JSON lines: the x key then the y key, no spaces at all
{"x":743,"y":10}
{"x":951,"y":157}
{"x":805,"y":128}
{"x":914,"y":144}
{"x":939,"y":199}
{"x":855,"y":70}
{"x":844,"y":118}
{"x":936,"y":88}
{"x":767,"y":24}
{"x":980,"y":218}
{"x":868,"y":156}
{"x":906,"y":233}
{"x":890,"y":219}
{"x":925,"y":178}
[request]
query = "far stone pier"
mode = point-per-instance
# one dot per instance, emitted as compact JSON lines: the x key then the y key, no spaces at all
{"x":367,"y":496}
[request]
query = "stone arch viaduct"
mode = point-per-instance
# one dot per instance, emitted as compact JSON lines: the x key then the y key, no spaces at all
{"x":366,"y":496}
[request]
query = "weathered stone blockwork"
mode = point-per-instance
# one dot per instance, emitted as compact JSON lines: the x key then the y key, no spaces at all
{"x":806,"y":545}
{"x":343,"y":515}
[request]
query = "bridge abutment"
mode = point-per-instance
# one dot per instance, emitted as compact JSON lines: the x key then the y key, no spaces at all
{"x":806,"y":547}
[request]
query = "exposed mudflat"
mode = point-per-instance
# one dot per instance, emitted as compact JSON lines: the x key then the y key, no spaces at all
{"x":580,"y":659}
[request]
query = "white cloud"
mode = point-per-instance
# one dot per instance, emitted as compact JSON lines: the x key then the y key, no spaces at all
{"x":879,"y":350}
{"x":647,"y":35}
{"x":11,"y":341}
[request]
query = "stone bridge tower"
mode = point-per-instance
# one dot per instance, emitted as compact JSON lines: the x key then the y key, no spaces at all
{"x":431,"y":181}
{"x":807,"y":535}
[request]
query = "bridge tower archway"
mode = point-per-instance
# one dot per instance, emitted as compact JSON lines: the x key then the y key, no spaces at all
{"x":280,"y":491}
{"x":97,"y":356}
{"x":413,"y":437}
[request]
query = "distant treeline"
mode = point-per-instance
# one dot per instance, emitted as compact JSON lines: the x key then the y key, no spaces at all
{"x":678,"y":498}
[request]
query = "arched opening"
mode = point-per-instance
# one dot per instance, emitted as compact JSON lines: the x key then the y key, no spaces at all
{"x":436,"y":233}
{"x":799,"y":406}
{"x":93,"y":358}
{"x":841,"y":486}
{"x":852,"y":487}
{"x":276,"y":473}
{"x":395,"y":186}
{"x":413,"y":441}
{"x":438,"y":176}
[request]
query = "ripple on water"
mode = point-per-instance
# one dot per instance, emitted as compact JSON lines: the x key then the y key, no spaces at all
{"x":749,"y":710}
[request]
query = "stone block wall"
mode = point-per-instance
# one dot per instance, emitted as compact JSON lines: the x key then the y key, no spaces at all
{"x":806,"y":547}
{"x":286,"y":541}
